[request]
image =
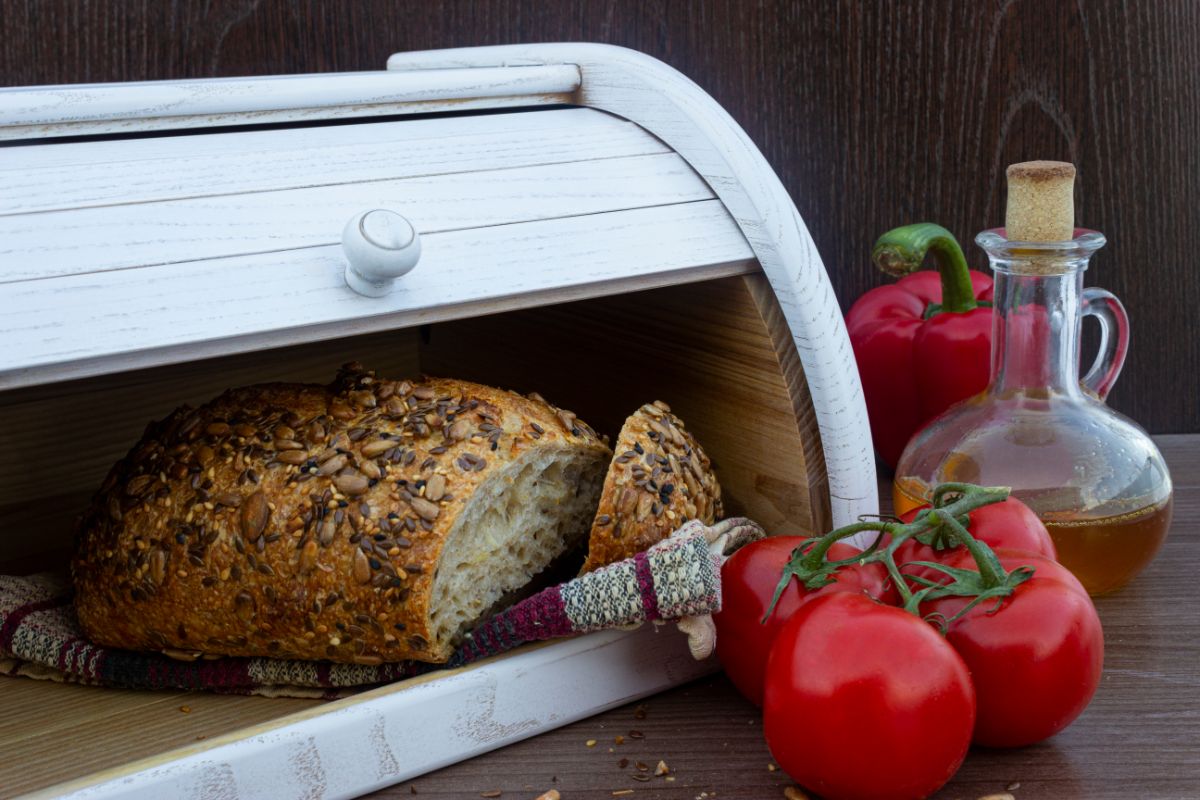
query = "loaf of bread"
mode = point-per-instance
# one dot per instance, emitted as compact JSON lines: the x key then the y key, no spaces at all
{"x":660,"y":479}
{"x":371,"y":520}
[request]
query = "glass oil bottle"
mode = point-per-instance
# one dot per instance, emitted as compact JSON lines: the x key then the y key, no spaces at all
{"x":1093,"y":476}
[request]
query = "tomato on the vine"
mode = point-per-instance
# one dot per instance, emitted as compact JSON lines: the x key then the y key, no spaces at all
{"x":1035,"y":656}
{"x":866,"y":701}
{"x":748,"y":582}
{"x":1008,"y":524}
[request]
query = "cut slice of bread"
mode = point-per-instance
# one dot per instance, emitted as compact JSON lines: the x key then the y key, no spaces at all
{"x":659,"y":479}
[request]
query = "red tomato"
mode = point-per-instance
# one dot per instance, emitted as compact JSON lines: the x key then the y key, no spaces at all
{"x":1009,"y":524}
{"x":748,"y":581}
{"x":1035,"y":659}
{"x":866,"y":701}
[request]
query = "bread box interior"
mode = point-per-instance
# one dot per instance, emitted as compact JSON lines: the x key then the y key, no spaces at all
{"x":711,"y":349}
{"x":161,"y":243}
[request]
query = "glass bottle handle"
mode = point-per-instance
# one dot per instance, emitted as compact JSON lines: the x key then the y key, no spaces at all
{"x":1114,"y":339}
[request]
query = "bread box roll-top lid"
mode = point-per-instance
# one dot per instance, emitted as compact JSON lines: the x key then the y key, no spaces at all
{"x":575,"y":219}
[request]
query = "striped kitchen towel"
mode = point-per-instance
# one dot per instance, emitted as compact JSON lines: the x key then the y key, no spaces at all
{"x":677,"y":578}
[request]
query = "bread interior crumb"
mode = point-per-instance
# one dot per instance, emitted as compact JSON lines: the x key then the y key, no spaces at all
{"x":518,"y":521}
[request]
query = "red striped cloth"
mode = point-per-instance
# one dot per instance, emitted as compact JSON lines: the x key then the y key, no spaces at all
{"x":678,"y":577}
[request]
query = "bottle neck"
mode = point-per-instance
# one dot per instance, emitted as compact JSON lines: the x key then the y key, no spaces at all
{"x":1035,"y":333}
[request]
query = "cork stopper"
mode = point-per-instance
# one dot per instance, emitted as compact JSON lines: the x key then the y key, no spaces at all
{"x":1041,"y":202}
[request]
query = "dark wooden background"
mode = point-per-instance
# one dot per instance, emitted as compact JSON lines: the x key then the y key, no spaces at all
{"x":874,"y":113}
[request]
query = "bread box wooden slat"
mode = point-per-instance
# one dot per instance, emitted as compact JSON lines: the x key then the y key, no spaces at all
{"x":53,"y":111}
{"x":78,"y":241}
{"x":101,"y":172}
{"x":631,"y":246}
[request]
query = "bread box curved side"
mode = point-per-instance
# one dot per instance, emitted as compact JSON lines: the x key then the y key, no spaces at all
{"x":669,"y":105}
{"x":787,"y":317}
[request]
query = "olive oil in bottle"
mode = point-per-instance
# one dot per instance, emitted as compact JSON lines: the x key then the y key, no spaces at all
{"x":1092,"y":476}
{"x":1106,"y":552}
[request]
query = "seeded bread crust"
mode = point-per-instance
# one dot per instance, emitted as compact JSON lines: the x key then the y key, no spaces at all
{"x":660,"y":479}
{"x":302,"y":521}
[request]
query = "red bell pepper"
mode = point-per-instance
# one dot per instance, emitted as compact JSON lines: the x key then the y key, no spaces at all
{"x":924,"y":342}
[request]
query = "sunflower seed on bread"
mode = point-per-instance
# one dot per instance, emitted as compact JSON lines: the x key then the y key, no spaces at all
{"x":659,"y":479}
{"x":366,"y":521}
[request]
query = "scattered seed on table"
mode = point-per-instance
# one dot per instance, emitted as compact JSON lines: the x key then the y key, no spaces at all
{"x":491,"y":793}
{"x":186,"y":709}
{"x":641,"y":767}
{"x":550,"y":795}
{"x":771,"y":768}
{"x":998,"y":796}
{"x":590,"y":743}
{"x":637,"y":776}
{"x":623,"y":763}
{"x":661,"y":769}
{"x":1012,"y":787}
{"x":639,"y":712}
{"x":622,"y":792}
{"x":619,"y":739}
{"x":636,"y":735}
{"x":794,"y":793}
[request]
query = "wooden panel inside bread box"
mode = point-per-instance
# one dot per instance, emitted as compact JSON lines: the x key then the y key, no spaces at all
{"x":717,"y":351}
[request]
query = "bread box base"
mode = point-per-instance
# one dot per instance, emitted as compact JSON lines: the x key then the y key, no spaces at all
{"x":83,"y":742}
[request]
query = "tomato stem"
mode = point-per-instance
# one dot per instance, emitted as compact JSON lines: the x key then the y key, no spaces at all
{"x":906,"y":595}
{"x":952,"y":502}
{"x":992,"y":572}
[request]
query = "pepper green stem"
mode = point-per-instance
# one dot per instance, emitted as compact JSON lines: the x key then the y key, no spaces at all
{"x":902,"y":250}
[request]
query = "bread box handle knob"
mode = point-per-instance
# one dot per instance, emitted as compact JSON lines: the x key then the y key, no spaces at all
{"x":380,"y":246}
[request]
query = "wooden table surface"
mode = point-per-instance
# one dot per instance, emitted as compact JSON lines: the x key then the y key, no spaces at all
{"x":1140,"y":737}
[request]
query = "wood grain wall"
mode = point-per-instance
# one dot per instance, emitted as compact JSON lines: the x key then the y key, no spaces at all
{"x":874,"y":113}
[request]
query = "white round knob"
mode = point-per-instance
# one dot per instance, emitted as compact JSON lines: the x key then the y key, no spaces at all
{"x":380,"y":246}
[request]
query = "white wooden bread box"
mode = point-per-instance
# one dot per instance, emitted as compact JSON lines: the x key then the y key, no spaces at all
{"x":590,"y":225}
